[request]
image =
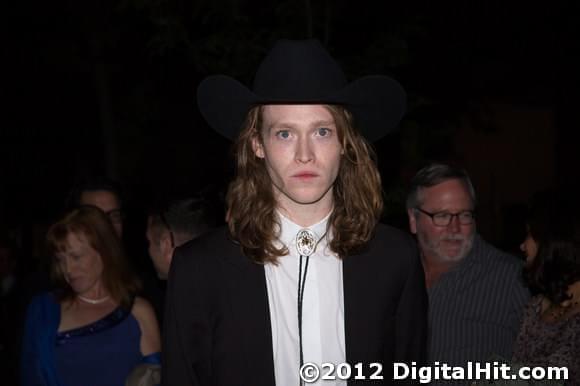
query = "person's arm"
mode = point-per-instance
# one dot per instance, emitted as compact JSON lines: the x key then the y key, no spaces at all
{"x":37,"y":360}
{"x":150,"y":337}
{"x":29,"y":366}
{"x":519,"y":296}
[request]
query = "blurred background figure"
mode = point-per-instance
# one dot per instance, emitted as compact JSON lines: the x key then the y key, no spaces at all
{"x":174,"y":225}
{"x":476,"y":295}
{"x":92,"y":328}
{"x":107,"y":195}
{"x":550,"y":332}
{"x":168,"y":227}
{"x":11,"y":309}
{"x":542,"y":221}
{"x":103,"y":193}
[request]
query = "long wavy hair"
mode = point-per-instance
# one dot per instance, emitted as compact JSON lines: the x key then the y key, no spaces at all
{"x":94,"y":225}
{"x":357,"y":193}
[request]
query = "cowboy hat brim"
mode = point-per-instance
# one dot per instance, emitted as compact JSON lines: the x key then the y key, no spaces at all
{"x":376,"y":102}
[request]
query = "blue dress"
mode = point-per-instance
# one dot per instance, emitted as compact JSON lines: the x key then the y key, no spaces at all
{"x":100,"y":354}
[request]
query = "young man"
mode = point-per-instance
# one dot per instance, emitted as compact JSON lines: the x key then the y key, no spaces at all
{"x":304,"y":272}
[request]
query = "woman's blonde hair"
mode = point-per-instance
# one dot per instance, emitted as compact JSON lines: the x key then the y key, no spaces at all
{"x":94,"y":225}
{"x":357,"y":193}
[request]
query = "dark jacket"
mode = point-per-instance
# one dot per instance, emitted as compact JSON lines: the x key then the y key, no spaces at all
{"x":217,"y":322}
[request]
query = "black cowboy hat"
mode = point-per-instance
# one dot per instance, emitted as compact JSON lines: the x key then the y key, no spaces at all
{"x":302,"y":72}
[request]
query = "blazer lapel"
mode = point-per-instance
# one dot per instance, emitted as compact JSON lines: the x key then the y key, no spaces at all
{"x":355,"y":307}
{"x":250,"y":307}
{"x":366,"y":313}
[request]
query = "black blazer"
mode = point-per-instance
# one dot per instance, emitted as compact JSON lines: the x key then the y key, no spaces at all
{"x":217,"y":320}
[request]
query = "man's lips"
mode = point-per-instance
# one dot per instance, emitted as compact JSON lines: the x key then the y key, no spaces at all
{"x":453,"y":243}
{"x":305,"y":175}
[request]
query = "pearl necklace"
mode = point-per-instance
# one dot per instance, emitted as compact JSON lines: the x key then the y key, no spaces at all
{"x":93,"y":301}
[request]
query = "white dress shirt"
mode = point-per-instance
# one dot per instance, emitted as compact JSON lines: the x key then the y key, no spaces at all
{"x":322,"y":309}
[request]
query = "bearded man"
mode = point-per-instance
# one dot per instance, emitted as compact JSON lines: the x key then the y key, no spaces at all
{"x":476,"y":296}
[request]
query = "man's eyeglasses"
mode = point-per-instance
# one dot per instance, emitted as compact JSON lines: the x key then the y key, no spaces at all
{"x":443,"y":219}
{"x":171,"y":237}
{"x":115,"y":215}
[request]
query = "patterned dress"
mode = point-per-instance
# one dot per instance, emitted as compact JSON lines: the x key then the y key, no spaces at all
{"x":542,"y":343}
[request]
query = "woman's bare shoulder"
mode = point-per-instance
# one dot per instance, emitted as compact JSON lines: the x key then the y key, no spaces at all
{"x":142,"y":309}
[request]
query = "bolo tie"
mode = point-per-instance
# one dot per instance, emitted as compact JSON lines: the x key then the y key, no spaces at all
{"x":306,"y":242}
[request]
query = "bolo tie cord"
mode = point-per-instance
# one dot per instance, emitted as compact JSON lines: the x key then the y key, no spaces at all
{"x":304,"y":253}
{"x":301,"y":284}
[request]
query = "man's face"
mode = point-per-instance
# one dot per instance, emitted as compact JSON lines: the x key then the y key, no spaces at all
{"x":302,"y":153}
{"x":443,"y":244}
{"x":109,"y":203}
{"x":160,"y":249}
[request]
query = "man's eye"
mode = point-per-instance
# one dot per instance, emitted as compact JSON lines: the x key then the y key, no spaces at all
{"x":115,"y":216}
{"x":323,"y":132}
{"x":283,"y":134}
{"x":442,"y":216}
{"x":466,"y":215}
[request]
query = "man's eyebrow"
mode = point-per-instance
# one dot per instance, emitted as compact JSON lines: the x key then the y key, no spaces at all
{"x":280,"y":124}
{"x":324,"y":123}
{"x":290,"y":125}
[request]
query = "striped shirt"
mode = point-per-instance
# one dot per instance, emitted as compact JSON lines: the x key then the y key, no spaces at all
{"x":475,"y":309}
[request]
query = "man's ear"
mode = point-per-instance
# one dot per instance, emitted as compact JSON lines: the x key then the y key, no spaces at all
{"x":412,"y":220}
{"x":257,"y":146}
{"x":165,"y":244}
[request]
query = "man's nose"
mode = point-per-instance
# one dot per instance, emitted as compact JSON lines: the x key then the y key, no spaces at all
{"x":454,"y":225}
{"x":304,"y":151}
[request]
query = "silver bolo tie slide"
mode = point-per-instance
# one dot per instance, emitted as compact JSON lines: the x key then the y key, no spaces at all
{"x":306,"y":242}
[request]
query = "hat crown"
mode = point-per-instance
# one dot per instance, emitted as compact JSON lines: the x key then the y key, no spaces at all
{"x":302,"y":72}
{"x":298,"y":70}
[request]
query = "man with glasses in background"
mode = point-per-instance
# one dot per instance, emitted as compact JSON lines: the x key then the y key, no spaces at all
{"x":476,"y":295}
{"x":103,"y":193}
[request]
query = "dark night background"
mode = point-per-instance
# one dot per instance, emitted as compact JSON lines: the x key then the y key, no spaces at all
{"x":101,"y":87}
{"x":108,"y":87}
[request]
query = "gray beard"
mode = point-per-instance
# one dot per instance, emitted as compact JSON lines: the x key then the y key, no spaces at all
{"x":433,"y":248}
